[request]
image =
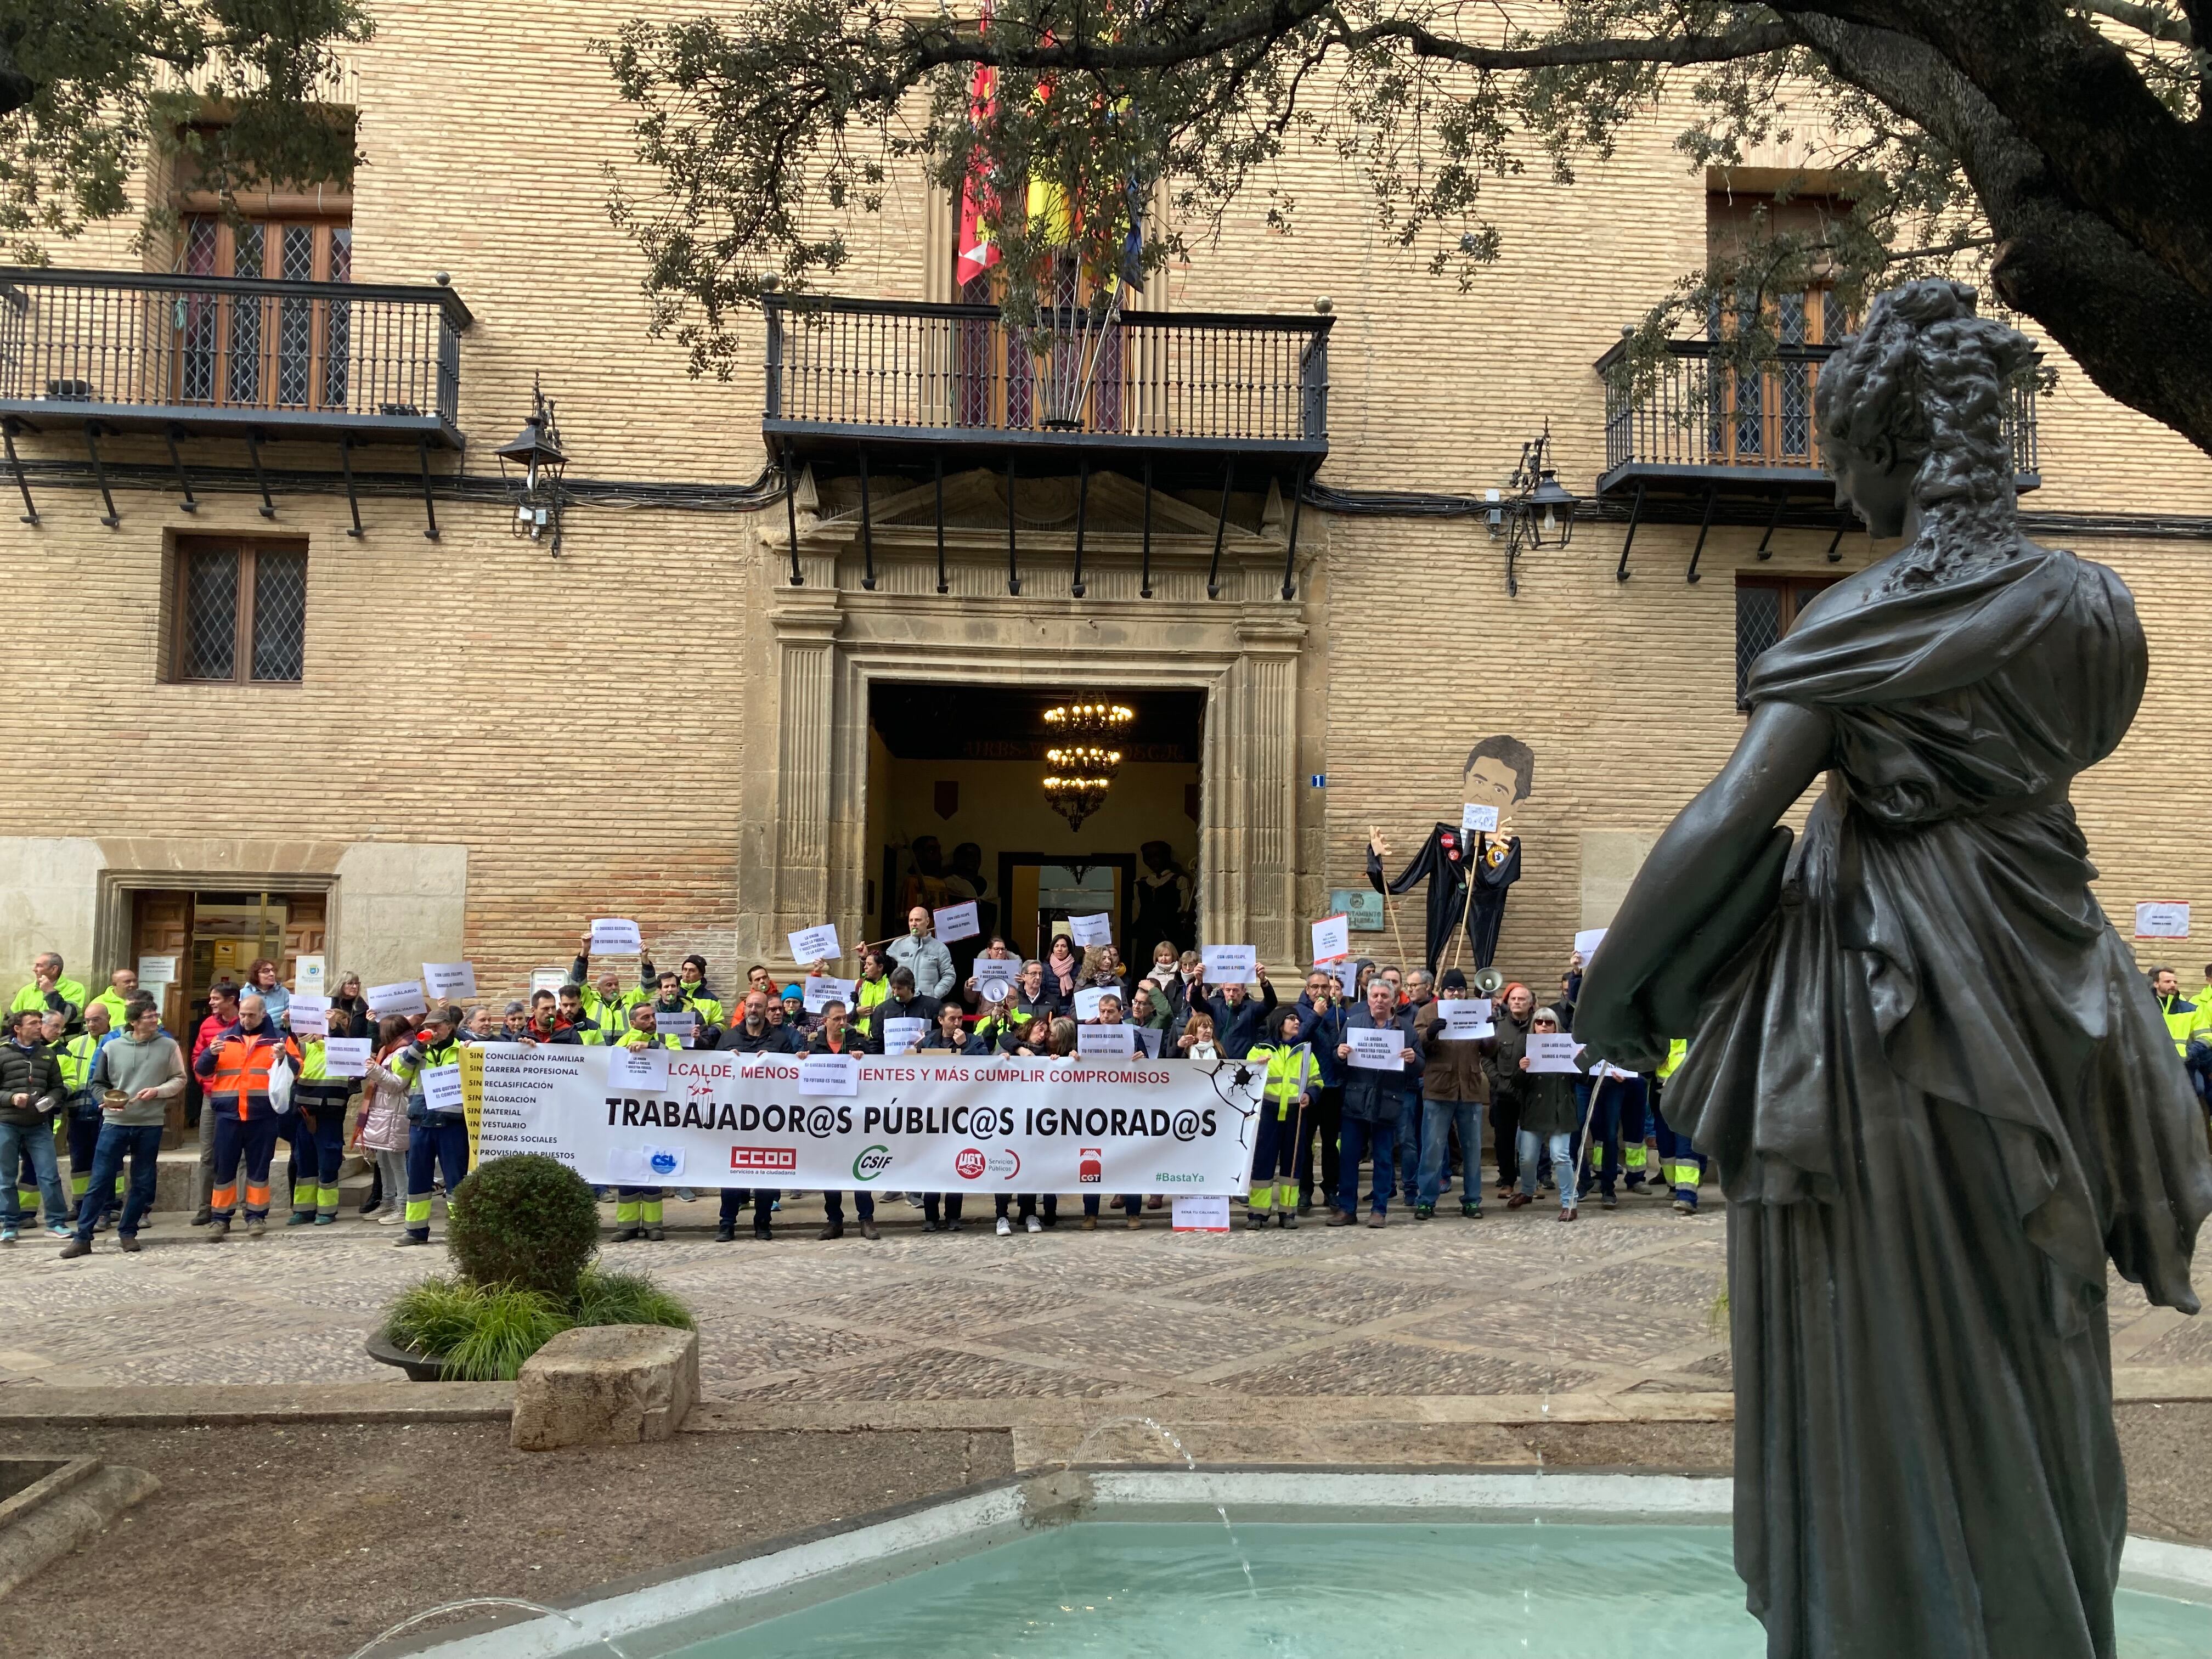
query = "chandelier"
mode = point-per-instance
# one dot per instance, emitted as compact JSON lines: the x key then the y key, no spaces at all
{"x":1089,"y":720}
{"x":1080,"y":776}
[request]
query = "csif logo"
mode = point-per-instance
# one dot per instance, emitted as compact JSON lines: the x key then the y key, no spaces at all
{"x":872,"y":1162}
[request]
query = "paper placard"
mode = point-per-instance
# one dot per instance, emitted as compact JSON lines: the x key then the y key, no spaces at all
{"x":309,"y":974}
{"x":155,"y":972}
{"x":683,"y":1024}
{"x":1376,"y":1047}
{"x":1346,"y":973}
{"x":615,"y":936}
{"x":548,"y":979}
{"x":994,"y":977}
{"x":402,"y":998}
{"x":1120,"y":1041}
{"x":1465,"y":1019}
{"x":2160,"y":919}
{"x":1472,"y":818}
{"x":1149,"y":1038}
{"x":822,"y":990}
{"x":1087,"y":1000}
{"x":830,"y":1074}
{"x":1587,"y":941}
{"x":954,"y":922}
{"x":346,"y":1056}
{"x":1607,"y":1068}
{"x":1332,"y":939}
{"x":441,"y":1087}
{"x":308,"y":1016}
{"x":1092,"y":930}
{"x":815,"y":944}
{"x":1200,"y":1215}
{"x":1230,"y":964}
{"x":902,"y":1036}
{"x":449,"y":980}
{"x":644,"y":1069}
{"x":1553,"y":1051}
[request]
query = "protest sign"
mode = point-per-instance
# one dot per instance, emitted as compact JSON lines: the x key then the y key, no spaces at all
{"x":615,"y":936}
{"x":1346,"y":973}
{"x":1230,"y":964}
{"x":995,"y":976}
{"x":449,"y":980}
{"x":902,"y":1036}
{"x":548,"y":979}
{"x":830,"y":1074}
{"x":928,"y":1123}
{"x":1466,"y":1019}
{"x":1092,"y":930}
{"x":815,"y":944}
{"x":1553,"y":1051}
{"x":308,"y":1016}
{"x":1472,"y":818}
{"x":1148,"y":1040}
{"x":1200,"y":1215}
{"x":405,"y":997}
{"x":1087,"y":999}
{"x":1607,"y":1068}
{"x":683,"y":1024}
{"x":956,"y":921}
{"x":1332,"y":938}
{"x":1587,"y":941}
{"x":1115,"y":1040}
{"x":346,"y":1056}
{"x":642,"y":1068}
{"x":2160,"y":919}
{"x":441,"y":1088}
{"x":1378,"y":1048}
{"x":822,"y":990}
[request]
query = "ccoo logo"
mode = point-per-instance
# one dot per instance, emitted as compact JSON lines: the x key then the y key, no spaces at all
{"x":872,"y":1162}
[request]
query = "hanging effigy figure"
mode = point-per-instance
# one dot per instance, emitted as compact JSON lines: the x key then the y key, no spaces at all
{"x":1938,"y":1092}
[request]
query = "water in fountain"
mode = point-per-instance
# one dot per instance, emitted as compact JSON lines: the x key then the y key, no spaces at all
{"x":468,"y":1601}
{"x":1189,"y":1463}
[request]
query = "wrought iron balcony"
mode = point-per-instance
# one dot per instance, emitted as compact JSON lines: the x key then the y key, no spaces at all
{"x":1194,"y":395}
{"x":1705,"y":431}
{"x":123,"y":351}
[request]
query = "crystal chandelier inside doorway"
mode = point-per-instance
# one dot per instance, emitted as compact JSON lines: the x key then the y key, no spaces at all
{"x":1083,"y":761}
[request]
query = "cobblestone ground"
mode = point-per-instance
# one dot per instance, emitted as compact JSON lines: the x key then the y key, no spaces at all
{"x":1515,"y":1304}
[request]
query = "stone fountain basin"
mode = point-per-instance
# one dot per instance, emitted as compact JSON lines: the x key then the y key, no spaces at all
{"x":702,"y":1605}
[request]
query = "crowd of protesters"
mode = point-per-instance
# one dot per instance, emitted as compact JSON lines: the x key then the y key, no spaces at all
{"x":94,"y":1079}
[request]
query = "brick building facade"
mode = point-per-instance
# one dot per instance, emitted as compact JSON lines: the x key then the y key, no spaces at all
{"x":465,"y":746}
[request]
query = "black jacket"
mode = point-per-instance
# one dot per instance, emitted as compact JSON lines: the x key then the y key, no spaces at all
{"x":772,"y":1040}
{"x":35,"y":1071}
{"x":1378,"y":1097}
{"x":1235,"y":1032}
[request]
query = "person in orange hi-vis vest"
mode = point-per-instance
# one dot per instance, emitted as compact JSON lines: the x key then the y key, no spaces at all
{"x":235,"y":1070}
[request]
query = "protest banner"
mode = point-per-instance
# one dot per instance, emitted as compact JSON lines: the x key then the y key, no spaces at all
{"x":615,"y":936}
{"x":956,"y":921}
{"x":448,"y":979}
{"x":926,"y":1123}
{"x":815,"y":944}
{"x":1091,"y":930}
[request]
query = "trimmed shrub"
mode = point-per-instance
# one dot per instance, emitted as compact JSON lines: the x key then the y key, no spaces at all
{"x":527,"y":1221}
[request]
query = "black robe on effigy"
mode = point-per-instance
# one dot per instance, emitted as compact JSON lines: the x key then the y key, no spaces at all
{"x":1442,"y":861}
{"x":1939,"y":1096}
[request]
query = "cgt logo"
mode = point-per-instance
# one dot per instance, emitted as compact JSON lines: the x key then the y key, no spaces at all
{"x":872,"y":1162}
{"x":1089,"y":1166}
{"x":968,"y":1164}
{"x":763,"y":1157}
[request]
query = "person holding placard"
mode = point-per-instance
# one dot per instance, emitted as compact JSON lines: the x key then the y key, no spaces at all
{"x":1454,"y":1097}
{"x":904,"y":1002}
{"x":134,"y":1078}
{"x":1238,"y":1022}
{"x":1548,"y":1122}
{"x":319,"y":1110}
{"x":1373,"y":1098}
{"x":836,"y":1037}
{"x":1102,"y":966}
{"x":82,"y":1116}
{"x":1518,"y":1007}
{"x":604,"y":1001}
{"x":752,"y":1033}
{"x":383,"y":1131}
{"x":1324,"y":1009}
{"x":689,"y":984}
{"x":222,"y":1015}
{"x":437,"y":1140}
{"x":1063,"y":971}
{"x":237,"y":1069}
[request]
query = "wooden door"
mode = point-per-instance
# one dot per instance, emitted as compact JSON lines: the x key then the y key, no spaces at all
{"x":161,"y":926}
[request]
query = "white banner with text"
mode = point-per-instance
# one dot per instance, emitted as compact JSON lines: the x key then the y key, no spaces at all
{"x":915,"y":1123}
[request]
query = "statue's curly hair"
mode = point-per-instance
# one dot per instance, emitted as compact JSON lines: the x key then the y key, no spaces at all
{"x":1928,"y":376}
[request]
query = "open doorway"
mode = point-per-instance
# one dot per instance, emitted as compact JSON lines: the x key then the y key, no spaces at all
{"x":957,"y":810}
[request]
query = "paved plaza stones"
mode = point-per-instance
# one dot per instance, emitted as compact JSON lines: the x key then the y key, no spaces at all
{"x":1620,"y":1303}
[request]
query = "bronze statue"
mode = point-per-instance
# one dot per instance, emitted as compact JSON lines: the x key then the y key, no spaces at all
{"x":1937,"y":1091}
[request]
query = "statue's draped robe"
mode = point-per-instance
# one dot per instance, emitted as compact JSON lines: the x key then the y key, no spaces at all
{"x":1940,"y":1094}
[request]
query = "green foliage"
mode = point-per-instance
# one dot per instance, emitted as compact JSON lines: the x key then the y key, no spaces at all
{"x":484,"y":1332}
{"x":529,"y":1221}
{"x":606,"y":1298}
{"x":86,"y":86}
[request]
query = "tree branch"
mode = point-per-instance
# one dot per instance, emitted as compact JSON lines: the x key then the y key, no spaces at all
{"x":2155,"y":21}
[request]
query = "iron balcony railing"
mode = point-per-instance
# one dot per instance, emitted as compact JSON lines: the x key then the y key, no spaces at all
{"x":1700,"y":413}
{"x":129,"y":348}
{"x":1207,"y":381}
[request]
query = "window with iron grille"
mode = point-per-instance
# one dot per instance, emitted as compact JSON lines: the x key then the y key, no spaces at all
{"x":1767,"y":608}
{"x":240,"y":612}
{"x":258,"y":351}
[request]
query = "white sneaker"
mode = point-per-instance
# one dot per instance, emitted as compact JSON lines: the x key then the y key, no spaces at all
{"x":1005,"y":1229}
{"x":1034,"y":1224}
{"x":390,"y":1218}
